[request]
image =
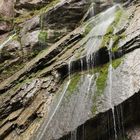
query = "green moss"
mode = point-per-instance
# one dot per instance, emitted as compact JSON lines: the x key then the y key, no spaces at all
{"x":101,"y":80}
{"x":110,"y":30}
{"x":116,"y":63}
{"x":22,"y":18}
{"x":103,"y":74}
{"x":94,"y":109}
{"x":74,"y":82}
{"x":8,"y":71}
{"x":118,"y":15}
{"x":43,"y":36}
{"x":46,"y":8}
{"x":115,"y":48}
{"x":116,"y":39}
{"x":88,"y":28}
{"x":32,"y":54}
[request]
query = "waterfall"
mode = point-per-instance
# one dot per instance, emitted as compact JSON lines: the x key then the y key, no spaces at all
{"x":70,"y":67}
{"x":91,"y":10}
{"x":94,"y":38}
{"x":90,"y":80}
{"x":80,"y":102}
{"x":6,"y":41}
{"x":91,"y":43}
{"x":90,"y":13}
{"x":48,"y":121}
{"x":110,"y":87}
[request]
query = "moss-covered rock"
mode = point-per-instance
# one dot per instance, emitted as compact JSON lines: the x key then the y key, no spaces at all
{"x":74,"y":83}
{"x":43,"y":36}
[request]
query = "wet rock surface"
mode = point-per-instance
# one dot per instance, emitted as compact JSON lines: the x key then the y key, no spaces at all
{"x":37,"y":97}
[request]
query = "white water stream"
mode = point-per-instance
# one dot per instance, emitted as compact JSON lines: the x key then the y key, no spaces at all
{"x":47,"y":122}
{"x":95,"y":37}
{"x":93,"y":41}
{"x":110,"y":87}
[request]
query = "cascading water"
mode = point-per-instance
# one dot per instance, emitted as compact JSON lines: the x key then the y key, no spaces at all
{"x":87,"y":85}
{"x":94,"y":38}
{"x":110,"y":86}
{"x":74,"y":107}
{"x":93,"y":45}
{"x":47,"y":122}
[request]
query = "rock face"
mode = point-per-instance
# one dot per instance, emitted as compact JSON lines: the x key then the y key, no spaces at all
{"x":6,"y":12}
{"x":7,"y":8}
{"x":64,"y":67}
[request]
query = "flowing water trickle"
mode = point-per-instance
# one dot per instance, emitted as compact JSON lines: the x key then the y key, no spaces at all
{"x":91,"y":10}
{"x":74,"y":135}
{"x":6,"y":41}
{"x":40,"y":135}
{"x":90,"y":80}
{"x":77,"y":104}
{"x":70,"y":67}
{"x":110,"y":87}
{"x":82,"y":65}
{"x":119,"y":112}
{"x":83,"y":95}
{"x":94,"y":38}
{"x":46,"y":124}
{"x":122,"y":122}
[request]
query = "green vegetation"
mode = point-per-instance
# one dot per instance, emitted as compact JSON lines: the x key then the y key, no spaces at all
{"x":32,"y":54}
{"x":116,"y":63}
{"x":94,"y":109}
{"x":110,"y":30}
{"x":43,"y":36}
{"x":103,"y":74}
{"x":74,"y":82}
{"x":102,"y":78}
{"x":116,"y":39}
{"x":87,"y":29}
{"x":8,"y":71}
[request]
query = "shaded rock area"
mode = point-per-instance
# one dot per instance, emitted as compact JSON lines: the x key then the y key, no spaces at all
{"x":55,"y":69}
